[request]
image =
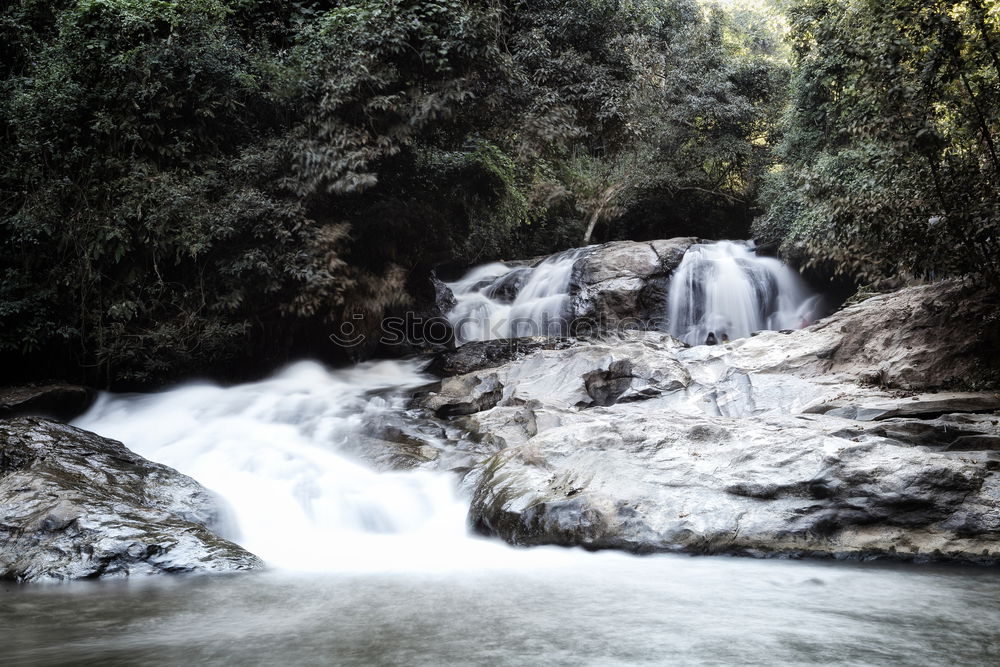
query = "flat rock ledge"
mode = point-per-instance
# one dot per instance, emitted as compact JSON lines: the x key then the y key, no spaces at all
{"x":74,"y":505}
{"x":778,"y":486}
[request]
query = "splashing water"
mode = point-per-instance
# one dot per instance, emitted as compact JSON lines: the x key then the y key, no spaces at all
{"x":276,"y":451}
{"x":502,"y":301}
{"x":724,"y":290}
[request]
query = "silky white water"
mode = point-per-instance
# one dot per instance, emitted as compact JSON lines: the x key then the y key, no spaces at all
{"x":723,"y":290}
{"x":502,"y":301}
{"x":279,"y":453}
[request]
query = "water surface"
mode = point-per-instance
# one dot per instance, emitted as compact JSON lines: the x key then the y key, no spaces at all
{"x":561,"y":607}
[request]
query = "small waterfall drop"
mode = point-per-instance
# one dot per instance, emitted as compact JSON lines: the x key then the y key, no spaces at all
{"x":724,"y":290}
{"x":504,"y":301}
{"x":278,"y":452}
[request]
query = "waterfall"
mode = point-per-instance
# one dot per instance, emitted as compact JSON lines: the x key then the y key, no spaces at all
{"x":508,"y":301}
{"x":724,"y":290}
{"x":279,"y":453}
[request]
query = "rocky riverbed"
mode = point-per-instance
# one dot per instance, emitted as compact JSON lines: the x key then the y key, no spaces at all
{"x":845,"y":439}
{"x":837,"y":440}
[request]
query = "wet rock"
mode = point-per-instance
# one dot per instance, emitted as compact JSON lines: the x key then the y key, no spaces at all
{"x":74,"y":505}
{"x":444,"y":300}
{"x":480,"y":355}
{"x":59,"y":401}
{"x":624,"y":281}
{"x":582,"y":375}
{"x":465,"y":395}
{"x":393,"y":451}
{"x":753,"y":447}
{"x":506,"y":288}
{"x":924,"y":405}
{"x":918,"y":338}
{"x":781,"y":485}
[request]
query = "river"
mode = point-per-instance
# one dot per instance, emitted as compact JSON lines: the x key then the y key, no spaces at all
{"x":570,"y":608}
{"x":374,"y":566}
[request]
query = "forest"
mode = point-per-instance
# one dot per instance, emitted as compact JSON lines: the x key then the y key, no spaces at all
{"x":201,"y":186}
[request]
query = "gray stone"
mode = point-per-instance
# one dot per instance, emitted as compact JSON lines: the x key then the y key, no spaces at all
{"x":779,"y":485}
{"x":920,"y":405}
{"x":774,"y":445}
{"x":935,"y":336}
{"x":480,"y":355}
{"x":625,"y":281}
{"x":464,"y":395}
{"x":74,"y":505}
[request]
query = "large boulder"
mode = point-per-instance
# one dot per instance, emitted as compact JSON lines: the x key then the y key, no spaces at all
{"x":780,"y":485}
{"x":479,"y":355}
{"x":582,"y":374}
{"x":74,"y":505}
{"x":942,"y":335}
{"x":625,"y":281}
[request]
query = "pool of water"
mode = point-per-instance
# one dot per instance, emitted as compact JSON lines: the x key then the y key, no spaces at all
{"x":551,"y":607}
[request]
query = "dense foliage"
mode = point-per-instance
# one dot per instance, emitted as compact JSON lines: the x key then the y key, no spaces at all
{"x":890,"y":162}
{"x":189,"y":186}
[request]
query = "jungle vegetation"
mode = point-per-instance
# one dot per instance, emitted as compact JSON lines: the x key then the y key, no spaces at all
{"x":208,"y":186}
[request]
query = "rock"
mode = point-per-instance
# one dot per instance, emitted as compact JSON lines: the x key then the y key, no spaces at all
{"x":934,"y":336}
{"x":485,"y":354}
{"x":582,"y":374}
{"x":464,"y":395}
{"x":60,"y":401}
{"x":393,"y":452}
{"x":923,"y":405}
{"x":625,"y":281}
{"x":506,"y":288}
{"x":781,"y":485}
{"x":74,"y":505}
{"x":755,"y":447}
{"x":444,"y":300}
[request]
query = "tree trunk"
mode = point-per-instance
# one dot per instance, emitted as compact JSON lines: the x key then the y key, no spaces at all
{"x":602,"y":204}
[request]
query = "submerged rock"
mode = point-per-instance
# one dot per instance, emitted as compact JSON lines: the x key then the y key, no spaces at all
{"x":74,"y":505}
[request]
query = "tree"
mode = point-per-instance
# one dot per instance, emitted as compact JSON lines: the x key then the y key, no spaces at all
{"x":890,"y":155}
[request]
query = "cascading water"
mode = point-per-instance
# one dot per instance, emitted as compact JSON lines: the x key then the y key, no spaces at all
{"x":277,"y":451}
{"x":502,"y":301}
{"x":724,"y":290}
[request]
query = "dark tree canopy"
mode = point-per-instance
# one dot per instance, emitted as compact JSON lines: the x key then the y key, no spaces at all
{"x":890,"y":158}
{"x":190,"y":187}
{"x":191,"y":184}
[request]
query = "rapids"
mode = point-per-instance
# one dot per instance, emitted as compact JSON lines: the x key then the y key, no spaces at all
{"x":282,"y":455}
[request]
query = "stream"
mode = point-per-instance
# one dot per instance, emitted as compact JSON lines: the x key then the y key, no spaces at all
{"x":375,"y":566}
{"x":568,"y":608}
